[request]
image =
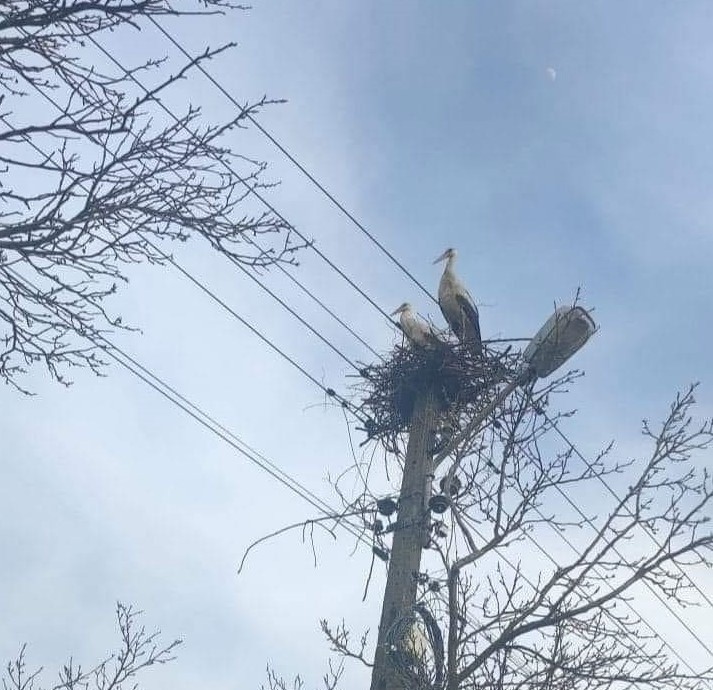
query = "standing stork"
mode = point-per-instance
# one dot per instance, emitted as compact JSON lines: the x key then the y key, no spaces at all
{"x":415,"y":329}
{"x":457,"y":305}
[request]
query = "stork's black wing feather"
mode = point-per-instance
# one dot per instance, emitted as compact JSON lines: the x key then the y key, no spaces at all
{"x":471,"y":325}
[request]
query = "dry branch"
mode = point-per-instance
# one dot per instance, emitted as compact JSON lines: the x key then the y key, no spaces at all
{"x":91,"y":174}
{"x":138,"y":651}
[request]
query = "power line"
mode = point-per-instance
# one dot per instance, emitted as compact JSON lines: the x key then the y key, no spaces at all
{"x":293,"y":312}
{"x":217,"y":299}
{"x":329,"y":311}
{"x":205,"y":419}
{"x":250,"y":188}
{"x":293,"y":160}
{"x":327,"y":390}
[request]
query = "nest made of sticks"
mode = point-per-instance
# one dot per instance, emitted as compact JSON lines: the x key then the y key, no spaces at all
{"x":457,"y":376}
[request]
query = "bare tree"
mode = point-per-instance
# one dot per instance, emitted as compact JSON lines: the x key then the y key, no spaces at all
{"x":94,"y":175}
{"x":505,"y":489}
{"x":138,"y":651}
{"x":521,"y":584}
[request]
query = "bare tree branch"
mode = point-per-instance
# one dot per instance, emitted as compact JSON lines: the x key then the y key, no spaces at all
{"x":138,"y":651}
{"x":91,"y":174}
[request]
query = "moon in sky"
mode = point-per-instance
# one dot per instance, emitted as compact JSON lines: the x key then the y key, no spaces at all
{"x":552,"y":73}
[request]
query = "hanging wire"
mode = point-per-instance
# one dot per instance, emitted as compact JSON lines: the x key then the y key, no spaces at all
{"x":250,"y":188}
{"x":330,"y":392}
{"x":204,"y":418}
{"x":295,"y":162}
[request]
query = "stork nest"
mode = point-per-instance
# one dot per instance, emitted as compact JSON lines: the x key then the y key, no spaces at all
{"x":457,"y":377}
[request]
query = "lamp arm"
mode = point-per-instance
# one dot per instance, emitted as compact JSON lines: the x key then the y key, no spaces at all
{"x":475,"y":423}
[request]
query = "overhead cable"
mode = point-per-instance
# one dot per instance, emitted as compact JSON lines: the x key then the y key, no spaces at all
{"x":205,"y":419}
{"x":295,"y":162}
{"x":251,"y":188}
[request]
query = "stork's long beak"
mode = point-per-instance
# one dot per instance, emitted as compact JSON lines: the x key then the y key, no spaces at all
{"x":442,"y":257}
{"x":397,"y":311}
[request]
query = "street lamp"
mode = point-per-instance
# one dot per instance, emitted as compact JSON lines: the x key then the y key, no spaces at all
{"x":563,"y":334}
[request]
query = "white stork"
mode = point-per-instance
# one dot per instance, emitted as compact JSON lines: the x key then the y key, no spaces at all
{"x":457,"y":305}
{"x":415,"y":329}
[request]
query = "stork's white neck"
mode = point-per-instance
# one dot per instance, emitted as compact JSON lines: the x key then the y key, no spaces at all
{"x":449,"y":264}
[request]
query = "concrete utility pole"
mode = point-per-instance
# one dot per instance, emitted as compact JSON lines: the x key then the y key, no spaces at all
{"x":565,"y":332}
{"x":410,"y":535}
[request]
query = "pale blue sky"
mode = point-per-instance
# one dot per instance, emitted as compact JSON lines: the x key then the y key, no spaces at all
{"x":438,"y":125}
